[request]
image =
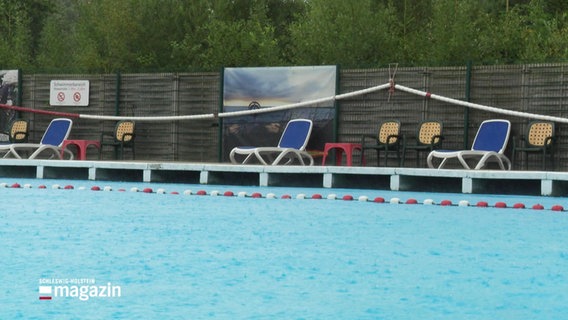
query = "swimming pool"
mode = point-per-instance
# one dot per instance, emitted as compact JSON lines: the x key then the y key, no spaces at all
{"x":185,"y":256}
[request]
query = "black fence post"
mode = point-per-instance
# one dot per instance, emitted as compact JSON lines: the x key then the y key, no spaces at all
{"x":117,"y":94}
{"x":466,"y":109}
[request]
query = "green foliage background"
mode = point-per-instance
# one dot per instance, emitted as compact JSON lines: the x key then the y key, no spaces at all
{"x":99,"y":36}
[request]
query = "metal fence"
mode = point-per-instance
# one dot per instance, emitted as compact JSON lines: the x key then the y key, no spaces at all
{"x":539,"y":89}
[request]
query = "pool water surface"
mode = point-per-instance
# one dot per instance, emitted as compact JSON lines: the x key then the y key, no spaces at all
{"x":178,"y":256}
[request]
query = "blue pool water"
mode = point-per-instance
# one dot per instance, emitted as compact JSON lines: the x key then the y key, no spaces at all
{"x":205,"y":257}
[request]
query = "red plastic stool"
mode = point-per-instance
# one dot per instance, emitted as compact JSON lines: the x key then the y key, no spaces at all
{"x":81,"y":145}
{"x":346,"y":148}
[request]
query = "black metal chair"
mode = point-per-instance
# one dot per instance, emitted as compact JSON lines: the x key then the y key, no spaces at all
{"x":19,"y":131}
{"x":428,"y":137}
{"x":122,"y":138}
{"x":387,"y":140}
{"x":540,"y":138}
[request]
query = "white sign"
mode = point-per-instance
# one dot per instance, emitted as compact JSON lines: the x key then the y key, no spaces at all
{"x":69,"y":93}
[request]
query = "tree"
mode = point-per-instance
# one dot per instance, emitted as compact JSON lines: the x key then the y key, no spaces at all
{"x":21,"y":21}
{"x":57,"y":40}
{"x":455,"y":31}
{"x":236,"y":33}
{"x":345,"y":32}
{"x":177,"y":35}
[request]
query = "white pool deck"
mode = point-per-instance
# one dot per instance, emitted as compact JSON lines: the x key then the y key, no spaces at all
{"x":385,"y":178}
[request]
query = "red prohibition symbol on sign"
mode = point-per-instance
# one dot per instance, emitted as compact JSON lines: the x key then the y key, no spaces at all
{"x":77,"y":96}
{"x":61,"y":96}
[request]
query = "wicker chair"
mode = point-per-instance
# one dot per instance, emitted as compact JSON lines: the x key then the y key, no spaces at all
{"x":19,"y":131}
{"x":540,"y":138}
{"x":122,"y":137}
{"x":428,"y":137}
{"x":388,"y":140}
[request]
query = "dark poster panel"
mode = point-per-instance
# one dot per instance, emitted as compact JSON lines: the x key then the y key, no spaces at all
{"x":8,"y":96}
{"x":253,"y":88}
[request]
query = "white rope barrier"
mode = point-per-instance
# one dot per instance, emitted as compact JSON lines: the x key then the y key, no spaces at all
{"x":391,"y":85}
{"x":153,"y":119}
{"x":481,"y":107}
{"x":242,"y":112}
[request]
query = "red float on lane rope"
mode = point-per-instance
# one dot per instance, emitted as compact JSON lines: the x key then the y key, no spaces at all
{"x":446,"y":203}
{"x":500,"y":204}
{"x":379,"y":200}
{"x":482,"y":204}
{"x":348,"y":197}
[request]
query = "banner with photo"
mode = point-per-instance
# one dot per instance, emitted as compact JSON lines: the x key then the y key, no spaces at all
{"x":8,"y":96}
{"x":265,"y":87}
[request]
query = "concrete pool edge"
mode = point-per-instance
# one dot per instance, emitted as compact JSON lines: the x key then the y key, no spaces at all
{"x":539,"y":183}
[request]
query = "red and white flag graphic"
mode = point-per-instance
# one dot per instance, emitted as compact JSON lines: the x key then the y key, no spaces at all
{"x":44,"y":292}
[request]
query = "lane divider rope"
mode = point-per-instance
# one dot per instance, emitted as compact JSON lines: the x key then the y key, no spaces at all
{"x":300,"y":196}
